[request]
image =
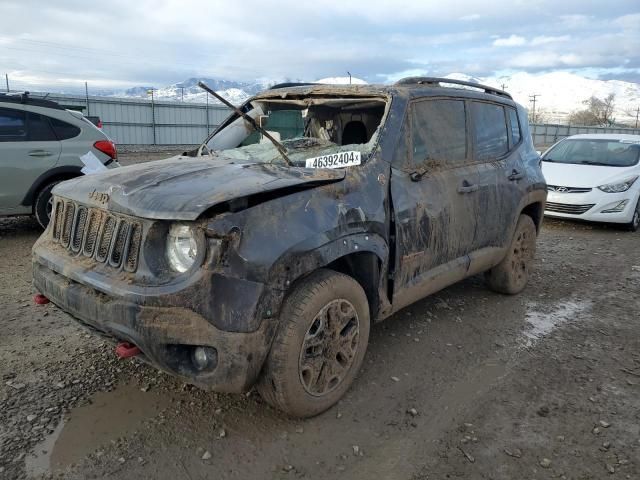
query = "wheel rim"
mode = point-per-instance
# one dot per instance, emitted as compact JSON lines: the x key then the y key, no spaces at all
{"x":329,"y":347}
{"x":523,"y":251}
{"x":49,"y":207}
{"x":636,"y":218}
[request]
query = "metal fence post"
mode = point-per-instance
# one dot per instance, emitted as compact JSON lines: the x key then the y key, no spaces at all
{"x":207,"y":110}
{"x":153,"y":117}
{"x":86,"y":96}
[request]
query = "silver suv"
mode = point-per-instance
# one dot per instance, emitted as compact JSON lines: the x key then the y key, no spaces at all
{"x":41,"y":144}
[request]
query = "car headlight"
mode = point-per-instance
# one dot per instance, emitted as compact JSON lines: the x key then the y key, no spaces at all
{"x":182,"y":248}
{"x":618,"y":187}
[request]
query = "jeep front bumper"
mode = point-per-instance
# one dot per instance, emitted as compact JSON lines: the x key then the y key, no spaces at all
{"x":166,"y":335}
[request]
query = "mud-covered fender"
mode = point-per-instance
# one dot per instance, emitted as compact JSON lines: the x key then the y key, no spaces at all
{"x":313,"y":253}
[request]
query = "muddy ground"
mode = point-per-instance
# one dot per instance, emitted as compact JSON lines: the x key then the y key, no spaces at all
{"x":464,"y":384}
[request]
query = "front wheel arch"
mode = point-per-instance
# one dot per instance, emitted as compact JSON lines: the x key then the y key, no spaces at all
{"x":359,"y":256}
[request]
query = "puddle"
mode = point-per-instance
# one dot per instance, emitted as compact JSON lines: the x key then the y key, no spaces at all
{"x":542,"y":323}
{"x":109,"y":416}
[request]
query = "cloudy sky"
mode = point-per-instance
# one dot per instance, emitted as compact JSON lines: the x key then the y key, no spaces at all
{"x":121,"y":43}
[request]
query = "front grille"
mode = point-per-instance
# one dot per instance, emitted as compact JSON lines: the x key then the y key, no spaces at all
{"x":568,"y":208}
{"x":105,"y":237}
{"x":561,"y":189}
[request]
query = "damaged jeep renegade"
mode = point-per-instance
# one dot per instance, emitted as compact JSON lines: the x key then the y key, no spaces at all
{"x":263,"y":257}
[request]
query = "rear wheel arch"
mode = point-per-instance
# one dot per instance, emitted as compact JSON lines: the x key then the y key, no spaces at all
{"x":57,"y":174}
{"x":534,"y":210}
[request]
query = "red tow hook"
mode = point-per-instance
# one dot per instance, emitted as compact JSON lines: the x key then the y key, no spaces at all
{"x":40,"y":299}
{"x":126,"y":350}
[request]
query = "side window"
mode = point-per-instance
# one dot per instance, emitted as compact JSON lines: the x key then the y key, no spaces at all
{"x":515,"y":126}
{"x":13,"y":126}
{"x":439,"y":132}
{"x":490,"y":127}
{"x":39,"y":128}
{"x":64,"y":130}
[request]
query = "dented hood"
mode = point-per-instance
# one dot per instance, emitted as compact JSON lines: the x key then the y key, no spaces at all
{"x":182,"y":188}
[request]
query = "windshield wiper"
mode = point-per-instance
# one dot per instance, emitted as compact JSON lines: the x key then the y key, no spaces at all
{"x":253,"y":123}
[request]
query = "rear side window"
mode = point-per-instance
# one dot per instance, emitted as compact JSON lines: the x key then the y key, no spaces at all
{"x":515,"y":126}
{"x":490,"y":127}
{"x":64,"y":130}
{"x":40,"y":129}
{"x":13,"y":125}
{"x":439,"y":132}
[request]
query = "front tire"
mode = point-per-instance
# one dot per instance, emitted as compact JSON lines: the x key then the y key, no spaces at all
{"x":44,"y":204}
{"x":511,"y":275}
{"x":634,"y":224}
{"x":320,"y":344}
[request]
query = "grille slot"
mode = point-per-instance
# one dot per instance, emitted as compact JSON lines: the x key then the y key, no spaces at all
{"x":107,"y":238}
{"x":67,"y":223}
{"x":93,"y":227}
{"x":133,"y":249}
{"x":78,"y":230}
{"x":119,"y":243}
{"x":57,"y":223}
{"x":568,"y":208}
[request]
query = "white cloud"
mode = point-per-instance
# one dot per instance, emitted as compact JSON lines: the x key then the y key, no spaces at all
{"x":511,"y":41}
{"x":544,"y":40}
{"x":157,"y":43}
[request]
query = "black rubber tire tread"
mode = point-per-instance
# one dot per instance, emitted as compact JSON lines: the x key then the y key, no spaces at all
{"x":502,"y":278}
{"x":279,"y":384}
{"x":40,"y":205}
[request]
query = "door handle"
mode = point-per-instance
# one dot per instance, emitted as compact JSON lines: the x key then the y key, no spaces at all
{"x":466,"y":187}
{"x":39,"y":153}
{"x":515,"y":176}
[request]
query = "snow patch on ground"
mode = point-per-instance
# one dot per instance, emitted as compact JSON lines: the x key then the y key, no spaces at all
{"x":542,"y":323}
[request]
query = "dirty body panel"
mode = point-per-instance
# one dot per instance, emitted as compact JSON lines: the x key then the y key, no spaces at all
{"x":401,"y":228}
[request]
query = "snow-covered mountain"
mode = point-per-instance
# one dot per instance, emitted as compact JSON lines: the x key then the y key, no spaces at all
{"x":560,"y":93}
{"x":189,"y":91}
{"x":235,"y":92}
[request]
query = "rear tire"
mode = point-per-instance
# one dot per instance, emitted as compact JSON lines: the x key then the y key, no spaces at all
{"x":511,"y":275}
{"x":320,"y":344}
{"x":44,"y":204}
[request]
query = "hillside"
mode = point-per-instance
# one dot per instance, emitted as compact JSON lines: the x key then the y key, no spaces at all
{"x":560,"y":93}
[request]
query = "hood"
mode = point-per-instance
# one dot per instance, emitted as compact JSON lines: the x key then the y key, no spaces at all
{"x":584,"y":176}
{"x":181,"y":188}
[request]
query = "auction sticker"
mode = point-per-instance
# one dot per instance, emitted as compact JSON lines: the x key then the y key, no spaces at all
{"x":334,"y":160}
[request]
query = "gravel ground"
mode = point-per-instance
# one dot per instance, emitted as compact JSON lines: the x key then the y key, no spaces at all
{"x":464,"y":384}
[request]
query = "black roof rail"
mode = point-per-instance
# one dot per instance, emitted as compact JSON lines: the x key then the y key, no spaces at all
{"x":436,"y":81}
{"x":292,"y":84}
{"x":26,"y":99}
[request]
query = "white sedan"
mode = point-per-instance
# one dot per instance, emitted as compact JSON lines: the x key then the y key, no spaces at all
{"x":594,"y":178}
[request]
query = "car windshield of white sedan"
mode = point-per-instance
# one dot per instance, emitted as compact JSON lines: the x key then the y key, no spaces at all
{"x":315,"y":132}
{"x":610,"y":153}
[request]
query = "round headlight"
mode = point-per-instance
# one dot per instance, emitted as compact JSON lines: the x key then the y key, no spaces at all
{"x":182,"y":248}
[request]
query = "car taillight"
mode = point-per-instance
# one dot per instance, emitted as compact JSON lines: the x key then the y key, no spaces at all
{"x":107,"y":147}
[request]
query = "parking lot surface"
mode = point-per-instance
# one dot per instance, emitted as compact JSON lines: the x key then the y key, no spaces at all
{"x":464,"y":384}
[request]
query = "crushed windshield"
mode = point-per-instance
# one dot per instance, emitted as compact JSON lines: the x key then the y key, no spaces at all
{"x":316,"y":132}
{"x":611,"y":153}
